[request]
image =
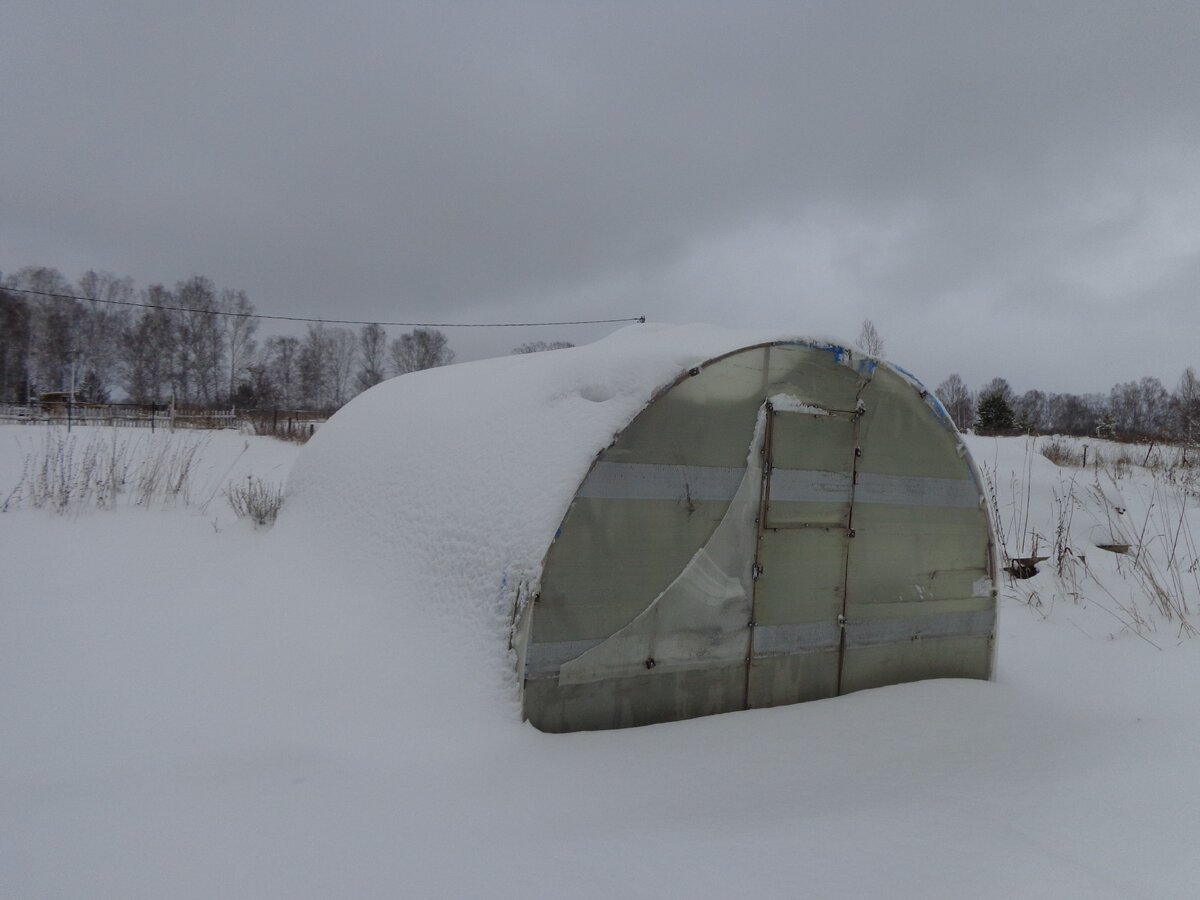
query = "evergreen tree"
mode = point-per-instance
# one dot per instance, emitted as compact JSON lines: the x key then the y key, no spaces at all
{"x":995,"y":414}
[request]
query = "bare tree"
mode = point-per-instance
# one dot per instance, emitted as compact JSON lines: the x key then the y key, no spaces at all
{"x":342,"y":355}
{"x":1185,"y":411}
{"x":1031,"y":411}
{"x":313,"y":368}
{"x":15,"y":336}
{"x":372,"y":352}
{"x":280,"y":364}
{"x":957,"y":400}
{"x":239,"y":335}
{"x":100,"y":329}
{"x":870,"y":339}
{"x":424,"y":348}
{"x":1186,"y":405}
{"x":1139,"y":408}
{"x":202,"y":342}
{"x":150,"y":349}
{"x":51,"y":335}
{"x":1076,"y":414}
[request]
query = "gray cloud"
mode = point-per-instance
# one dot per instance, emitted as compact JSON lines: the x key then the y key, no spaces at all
{"x":1003,"y":188}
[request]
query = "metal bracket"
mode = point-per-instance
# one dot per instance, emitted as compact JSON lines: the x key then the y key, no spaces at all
{"x":756,"y":570}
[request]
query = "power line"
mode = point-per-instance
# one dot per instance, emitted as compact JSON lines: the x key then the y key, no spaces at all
{"x":247,"y":315}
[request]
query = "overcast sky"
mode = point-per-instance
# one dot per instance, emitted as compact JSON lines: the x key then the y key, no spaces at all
{"x":1004,"y":188}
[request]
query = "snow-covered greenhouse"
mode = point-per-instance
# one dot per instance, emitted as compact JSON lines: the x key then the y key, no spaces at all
{"x":676,"y":522}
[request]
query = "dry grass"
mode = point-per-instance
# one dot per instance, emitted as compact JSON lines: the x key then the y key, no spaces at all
{"x":256,"y":500}
{"x":69,"y":474}
{"x":1061,"y":452}
{"x":1158,"y":559}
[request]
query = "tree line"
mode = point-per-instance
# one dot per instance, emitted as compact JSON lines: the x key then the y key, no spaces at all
{"x":207,"y":353}
{"x":210,"y":355}
{"x":1132,"y":410}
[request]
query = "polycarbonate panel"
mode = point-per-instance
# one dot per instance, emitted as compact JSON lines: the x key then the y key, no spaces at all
{"x":629,"y":702}
{"x":701,"y":618}
{"x":618,"y":548}
{"x":942,"y":553}
{"x":635,"y":575}
{"x":704,"y":420}
{"x":779,"y":680}
{"x":919,"y":594}
{"x":900,"y":435}
{"x":803,"y":575}
{"x":915,"y":660}
{"x":812,"y":457}
{"x":800,"y":590}
{"x":600,"y":574}
{"x":818,"y":376}
{"x":823,"y":443}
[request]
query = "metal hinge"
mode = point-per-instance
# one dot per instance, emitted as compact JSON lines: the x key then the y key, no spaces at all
{"x":841,"y":620}
{"x":756,"y":570}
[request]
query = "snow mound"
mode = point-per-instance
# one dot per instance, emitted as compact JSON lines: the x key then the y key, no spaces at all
{"x":449,"y":483}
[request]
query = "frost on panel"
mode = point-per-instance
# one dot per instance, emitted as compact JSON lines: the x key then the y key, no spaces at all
{"x":703,"y":616}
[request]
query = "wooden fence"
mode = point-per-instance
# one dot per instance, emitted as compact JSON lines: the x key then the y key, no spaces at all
{"x":289,"y":424}
{"x":298,"y":425}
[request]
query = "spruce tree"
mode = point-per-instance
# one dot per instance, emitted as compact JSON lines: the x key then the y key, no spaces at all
{"x":995,"y":414}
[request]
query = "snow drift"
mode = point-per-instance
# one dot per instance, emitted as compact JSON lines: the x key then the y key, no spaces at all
{"x":452,"y":483}
{"x":452,"y":495}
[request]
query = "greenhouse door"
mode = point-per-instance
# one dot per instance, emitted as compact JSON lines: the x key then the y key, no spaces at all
{"x":805,"y":525}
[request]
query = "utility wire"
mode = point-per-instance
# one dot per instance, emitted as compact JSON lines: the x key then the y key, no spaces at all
{"x":247,"y":315}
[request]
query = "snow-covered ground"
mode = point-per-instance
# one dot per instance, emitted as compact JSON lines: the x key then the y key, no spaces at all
{"x":191,"y":708}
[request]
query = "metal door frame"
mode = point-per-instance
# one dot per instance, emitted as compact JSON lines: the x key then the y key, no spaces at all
{"x":768,"y":463}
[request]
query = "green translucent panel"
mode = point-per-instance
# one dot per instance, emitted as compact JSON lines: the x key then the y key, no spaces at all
{"x":911,"y":567}
{"x":812,"y":375}
{"x":900,"y":435}
{"x":779,"y":680}
{"x":627,"y":702}
{"x":704,"y":420}
{"x":612,"y":558}
{"x":819,"y":515}
{"x":802,"y":577}
{"x":812,"y":442}
{"x":902,"y":554}
{"x":958,"y":657}
{"x":868,"y":611}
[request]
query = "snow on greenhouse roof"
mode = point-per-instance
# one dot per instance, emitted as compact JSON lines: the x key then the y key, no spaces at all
{"x":452,"y":481}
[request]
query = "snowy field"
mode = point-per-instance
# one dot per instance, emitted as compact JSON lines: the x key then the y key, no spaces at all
{"x":195,"y":708}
